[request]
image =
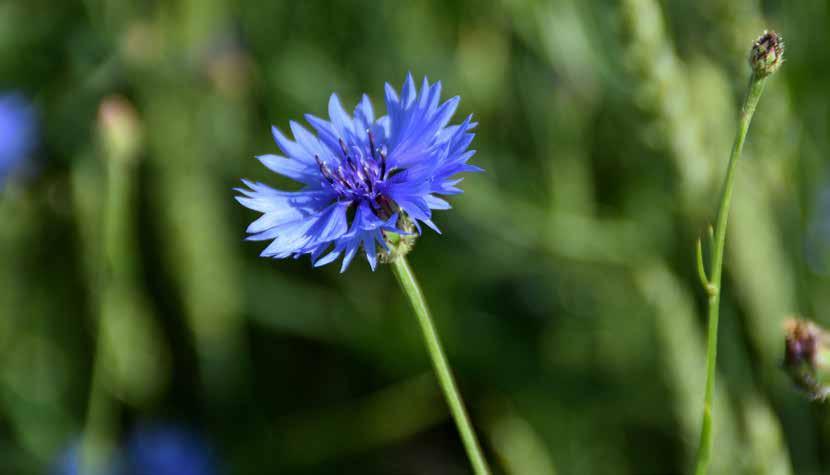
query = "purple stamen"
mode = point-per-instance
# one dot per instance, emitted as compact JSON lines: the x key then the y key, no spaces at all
{"x":358,"y":173}
{"x":371,"y":142}
{"x":343,"y":148}
{"x":324,"y":170}
{"x":382,"y":165}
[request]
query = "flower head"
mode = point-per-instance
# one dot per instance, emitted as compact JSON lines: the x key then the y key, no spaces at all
{"x":767,"y":54}
{"x":807,"y":356}
{"x":169,"y":450}
{"x":70,"y":463}
{"x":816,"y":241}
{"x":362,"y":177}
{"x":17,"y":133}
{"x":150,"y":450}
{"x":120,"y":128}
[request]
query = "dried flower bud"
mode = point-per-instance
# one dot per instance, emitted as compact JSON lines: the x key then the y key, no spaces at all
{"x":806,"y":353}
{"x":767,"y":54}
{"x":120,"y":128}
{"x":228,"y":65}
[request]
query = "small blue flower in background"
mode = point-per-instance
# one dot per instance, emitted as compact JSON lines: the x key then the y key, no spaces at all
{"x":359,"y":174}
{"x":817,"y":235}
{"x":69,"y":463}
{"x":168,"y":450}
{"x":18,"y":132}
{"x":150,"y":450}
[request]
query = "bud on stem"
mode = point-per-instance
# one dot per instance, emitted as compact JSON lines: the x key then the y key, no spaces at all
{"x":767,"y":54}
{"x":807,"y":357}
{"x":120,"y":129}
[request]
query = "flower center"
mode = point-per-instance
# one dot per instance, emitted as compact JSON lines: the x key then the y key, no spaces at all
{"x":356,"y":174}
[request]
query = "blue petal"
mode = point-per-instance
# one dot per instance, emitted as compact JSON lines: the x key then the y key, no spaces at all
{"x":309,"y":143}
{"x":366,"y":231}
{"x":351,"y":251}
{"x":364,"y":115}
{"x":340,"y":120}
{"x":265,"y":199}
{"x":408,"y":92}
{"x":392,"y":104}
{"x":331,"y":226}
{"x":294,"y":169}
{"x":300,"y":235}
{"x":325,"y":132}
{"x":328,"y":259}
{"x":289,"y":147}
{"x":436,"y":203}
{"x":371,"y":250}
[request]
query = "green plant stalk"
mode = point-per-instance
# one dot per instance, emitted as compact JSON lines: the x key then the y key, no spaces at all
{"x":410,"y":287}
{"x":101,"y":424}
{"x":713,"y":287}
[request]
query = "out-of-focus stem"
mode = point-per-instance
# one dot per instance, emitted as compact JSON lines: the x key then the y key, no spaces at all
{"x":101,"y":425}
{"x":114,"y":268}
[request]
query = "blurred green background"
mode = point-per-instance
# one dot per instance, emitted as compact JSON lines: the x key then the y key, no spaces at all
{"x":564,"y":284}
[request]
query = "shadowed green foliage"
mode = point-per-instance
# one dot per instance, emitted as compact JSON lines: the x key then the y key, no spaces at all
{"x":564,"y":285}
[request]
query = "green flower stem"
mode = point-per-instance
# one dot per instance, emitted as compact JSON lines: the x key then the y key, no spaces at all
{"x":100,"y":425}
{"x":114,"y":265}
{"x":756,"y":88}
{"x":416,"y":297}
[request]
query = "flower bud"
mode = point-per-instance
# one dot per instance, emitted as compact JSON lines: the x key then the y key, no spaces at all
{"x":120,"y":128}
{"x":767,"y":54}
{"x":806,"y":356}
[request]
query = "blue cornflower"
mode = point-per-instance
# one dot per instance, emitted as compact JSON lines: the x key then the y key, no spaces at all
{"x":169,"y":450}
{"x":361,"y":176}
{"x":817,"y":235}
{"x":69,"y":463}
{"x":17,"y":133}
{"x":150,"y":450}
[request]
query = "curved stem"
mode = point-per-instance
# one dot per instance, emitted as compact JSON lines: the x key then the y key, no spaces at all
{"x":701,"y":269}
{"x":412,"y":290}
{"x":756,"y":88}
